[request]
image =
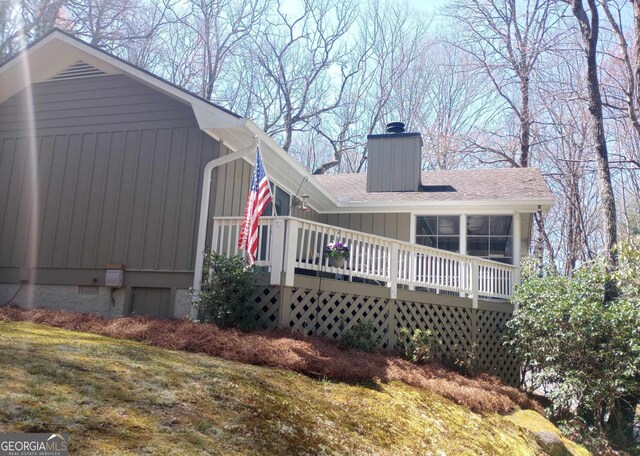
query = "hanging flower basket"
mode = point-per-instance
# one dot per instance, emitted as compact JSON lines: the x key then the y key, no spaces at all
{"x":336,"y":262}
{"x":337,"y":253}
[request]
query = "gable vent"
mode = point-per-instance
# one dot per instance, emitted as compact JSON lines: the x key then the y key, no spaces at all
{"x":78,"y":70}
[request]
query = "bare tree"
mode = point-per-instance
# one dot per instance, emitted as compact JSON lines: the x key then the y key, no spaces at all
{"x":397,"y":39}
{"x":300,"y":56}
{"x":23,"y":22}
{"x":566,"y":160}
{"x":589,"y":28}
{"x":212,"y":32}
{"x":628,"y":60}
{"x":506,"y":39}
{"x":113,"y":25}
{"x":457,"y":103}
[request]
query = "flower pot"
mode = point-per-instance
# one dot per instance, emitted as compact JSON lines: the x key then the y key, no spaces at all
{"x":336,"y":262}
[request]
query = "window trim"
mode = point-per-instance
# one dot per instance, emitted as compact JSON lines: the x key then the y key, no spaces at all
{"x":516,"y":230}
{"x":437,"y":235}
{"x":489,"y":236}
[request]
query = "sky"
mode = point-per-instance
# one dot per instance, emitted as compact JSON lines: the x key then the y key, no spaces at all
{"x":427,"y":5}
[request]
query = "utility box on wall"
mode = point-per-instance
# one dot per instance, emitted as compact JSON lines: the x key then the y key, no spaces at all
{"x":114,"y":277}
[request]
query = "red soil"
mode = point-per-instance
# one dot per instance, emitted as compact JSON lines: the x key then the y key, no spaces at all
{"x":313,"y":356}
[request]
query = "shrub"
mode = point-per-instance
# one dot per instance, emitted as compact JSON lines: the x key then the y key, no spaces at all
{"x":361,"y":336}
{"x":419,"y":347}
{"x":226,"y":296}
{"x":462,"y":360}
{"x":582,"y":349}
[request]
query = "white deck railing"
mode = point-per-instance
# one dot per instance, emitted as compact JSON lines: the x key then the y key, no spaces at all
{"x":289,"y":243}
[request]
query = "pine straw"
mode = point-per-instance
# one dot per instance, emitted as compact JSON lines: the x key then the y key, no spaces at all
{"x":313,"y":356}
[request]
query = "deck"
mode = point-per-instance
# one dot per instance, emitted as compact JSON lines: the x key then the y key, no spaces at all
{"x":290,"y":246}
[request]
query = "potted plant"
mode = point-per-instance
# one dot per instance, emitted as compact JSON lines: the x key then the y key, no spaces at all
{"x":336,"y":252}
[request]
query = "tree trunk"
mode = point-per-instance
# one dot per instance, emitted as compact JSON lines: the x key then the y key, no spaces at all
{"x":623,"y":412}
{"x":636,"y":49}
{"x":525,"y":123}
{"x":543,"y":240}
{"x":620,"y":425}
{"x":589,"y":30}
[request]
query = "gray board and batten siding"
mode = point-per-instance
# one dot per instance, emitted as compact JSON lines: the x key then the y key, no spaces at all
{"x":393,"y":163}
{"x":232,"y":182}
{"x":230,"y":195}
{"x":391,"y":225}
{"x":119,"y":170}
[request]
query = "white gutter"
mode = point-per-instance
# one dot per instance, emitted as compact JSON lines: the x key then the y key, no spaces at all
{"x":319,"y":191}
{"x":438,"y":205}
{"x":204,"y":212}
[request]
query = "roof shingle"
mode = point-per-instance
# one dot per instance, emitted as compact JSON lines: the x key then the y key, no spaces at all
{"x":507,"y":184}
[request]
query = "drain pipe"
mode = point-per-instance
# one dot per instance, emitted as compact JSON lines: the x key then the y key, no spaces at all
{"x":204,"y":214}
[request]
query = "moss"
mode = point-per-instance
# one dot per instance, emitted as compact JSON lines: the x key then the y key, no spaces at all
{"x":534,"y":422}
{"x":107,"y":393}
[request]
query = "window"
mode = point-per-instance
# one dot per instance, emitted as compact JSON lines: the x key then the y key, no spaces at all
{"x":282,"y":201}
{"x":490,"y":236}
{"x":439,"y":231}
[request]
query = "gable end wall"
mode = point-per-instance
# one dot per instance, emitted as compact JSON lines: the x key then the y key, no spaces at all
{"x":119,"y":172}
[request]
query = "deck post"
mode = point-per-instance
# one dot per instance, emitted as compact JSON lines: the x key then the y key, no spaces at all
{"x":284,"y":312}
{"x":517,"y":252}
{"x":392,"y":337}
{"x":463,"y":251}
{"x":277,"y":250}
{"x":290,"y":251}
{"x":215,"y":236}
{"x":463,"y":234}
{"x":393,"y":270}
{"x":475,"y":276}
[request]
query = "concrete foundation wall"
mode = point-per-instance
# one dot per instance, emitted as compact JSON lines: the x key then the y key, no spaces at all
{"x":92,"y":299}
{"x":182,"y":304}
{"x":96,"y":300}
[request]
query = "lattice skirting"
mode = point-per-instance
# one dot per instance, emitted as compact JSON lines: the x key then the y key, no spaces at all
{"x":267,"y":304}
{"x":329,"y":313}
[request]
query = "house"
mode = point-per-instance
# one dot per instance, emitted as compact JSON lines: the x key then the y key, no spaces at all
{"x":113,"y":182}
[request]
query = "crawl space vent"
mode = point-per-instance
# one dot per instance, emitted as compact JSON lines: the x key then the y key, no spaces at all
{"x":78,"y":70}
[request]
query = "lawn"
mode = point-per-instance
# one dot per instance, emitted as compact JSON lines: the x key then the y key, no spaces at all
{"x":122,"y":397}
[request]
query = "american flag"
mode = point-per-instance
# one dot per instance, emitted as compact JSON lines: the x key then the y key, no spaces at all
{"x":259,"y":197}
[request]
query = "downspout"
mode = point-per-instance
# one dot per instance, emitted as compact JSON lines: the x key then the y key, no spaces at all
{"x":204,"y":214}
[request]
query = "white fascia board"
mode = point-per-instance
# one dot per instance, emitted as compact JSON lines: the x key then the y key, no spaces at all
{"x":280,"y":167}
{"x":286,"y":171}
{"x":212,"y":119}
{"x":43,"y":60}
{"x":57,"y":51}
{"x":446,"y":207}
{"x":234,"y":138}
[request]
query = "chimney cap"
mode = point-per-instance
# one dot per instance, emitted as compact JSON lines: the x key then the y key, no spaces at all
{"x":394,"y":135}
{"x":395,"y":127}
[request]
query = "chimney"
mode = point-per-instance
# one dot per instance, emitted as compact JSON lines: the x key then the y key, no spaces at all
{"x":394,"y":160}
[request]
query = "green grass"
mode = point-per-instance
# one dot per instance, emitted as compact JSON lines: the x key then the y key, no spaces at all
{"x":122,"y":397}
